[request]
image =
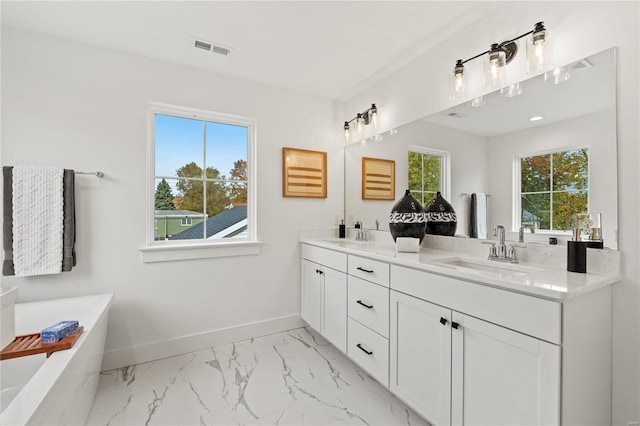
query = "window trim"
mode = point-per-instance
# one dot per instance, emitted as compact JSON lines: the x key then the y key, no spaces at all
{"x":445,"y":167}
{"x":155,"y":251}
{"x":516,"y":186}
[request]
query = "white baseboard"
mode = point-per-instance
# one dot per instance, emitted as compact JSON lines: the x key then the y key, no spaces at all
{"x":152,"y":351}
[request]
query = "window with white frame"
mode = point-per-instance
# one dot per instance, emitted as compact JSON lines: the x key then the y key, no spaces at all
{"x":551,"y":188}
{"x":427,"y":173}
{"x":202,"y":170}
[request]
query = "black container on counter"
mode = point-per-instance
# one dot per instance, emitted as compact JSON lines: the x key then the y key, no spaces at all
{"x":577,"y":254}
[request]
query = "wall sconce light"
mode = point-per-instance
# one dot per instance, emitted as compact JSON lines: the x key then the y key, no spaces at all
{"x":539,"y":59}
{"x":362,"y":119}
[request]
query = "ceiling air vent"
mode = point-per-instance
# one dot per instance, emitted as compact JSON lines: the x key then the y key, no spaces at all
{"x":220,"y":50}
{"x":210,"y":47}
{"x":582,"y":64}
{"x":202,"y":45}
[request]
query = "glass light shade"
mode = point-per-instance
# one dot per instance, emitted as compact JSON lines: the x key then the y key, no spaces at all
{"x":511,"y":91}
{"x":494,"y":68}
{"x":539,"y":52}
{"x":477,"y":102}
{"x":456,"y":82}
{"x":360,"y":126}
{"x":374,"y":118}
{"x":558,"y":75}
{"x":347,"y":133}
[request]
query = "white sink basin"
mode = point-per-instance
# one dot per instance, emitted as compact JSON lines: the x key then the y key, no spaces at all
{"x":344,"y":241}
{"x":486,"y":266}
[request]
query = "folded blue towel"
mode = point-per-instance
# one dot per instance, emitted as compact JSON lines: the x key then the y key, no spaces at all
{"x":58,"y":331}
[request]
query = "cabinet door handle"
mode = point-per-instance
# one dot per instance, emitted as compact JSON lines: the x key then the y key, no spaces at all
{"x":318,"y":271}
{"x":359,"y":302}
{"x":364,"y":350}
{"x":443,"y":321}
{"x":455,"y":325}
{"x":360,"y":268}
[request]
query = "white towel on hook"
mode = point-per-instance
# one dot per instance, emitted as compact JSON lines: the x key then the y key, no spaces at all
{"x":38,"y":215}
{"x":481,"y":215}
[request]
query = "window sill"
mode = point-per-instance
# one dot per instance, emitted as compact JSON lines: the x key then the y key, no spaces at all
{"x":175,"y":252}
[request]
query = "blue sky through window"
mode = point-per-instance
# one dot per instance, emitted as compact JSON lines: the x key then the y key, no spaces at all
{"x":179,"y":141}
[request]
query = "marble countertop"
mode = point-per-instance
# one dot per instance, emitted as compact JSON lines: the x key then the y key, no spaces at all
{"x":539,"y":279}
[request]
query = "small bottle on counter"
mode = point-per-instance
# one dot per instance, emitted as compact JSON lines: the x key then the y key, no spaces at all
{"x":341,"y":229}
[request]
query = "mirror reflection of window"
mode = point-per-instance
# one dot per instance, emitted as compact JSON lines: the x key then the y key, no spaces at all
{"x":426,"y":174}
{"x":553,"y":187}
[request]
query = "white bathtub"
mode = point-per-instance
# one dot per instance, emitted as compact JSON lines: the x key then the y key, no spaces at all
{"x":60,"y":389}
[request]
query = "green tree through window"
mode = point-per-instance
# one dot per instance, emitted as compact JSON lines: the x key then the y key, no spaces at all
{"x":164,"y":196}
{"x":425,"y":172}
{"x":553,"y":188}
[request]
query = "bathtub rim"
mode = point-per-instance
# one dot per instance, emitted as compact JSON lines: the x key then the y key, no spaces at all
{"x":26,"y":402}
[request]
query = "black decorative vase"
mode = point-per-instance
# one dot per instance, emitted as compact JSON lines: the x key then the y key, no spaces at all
{"x":407,"y":218}
{"x":441,"y":218}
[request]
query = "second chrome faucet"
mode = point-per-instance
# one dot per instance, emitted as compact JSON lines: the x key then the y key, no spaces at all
{"x":499,"y":251}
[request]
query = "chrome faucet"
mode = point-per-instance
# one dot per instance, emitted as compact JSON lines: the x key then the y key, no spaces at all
{"x":501,"y":252}
{"x":361,"y":234}
{"x":501,"y":249}
{"x":532,"y":229}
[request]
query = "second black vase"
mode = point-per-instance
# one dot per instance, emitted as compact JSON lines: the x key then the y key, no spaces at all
{"x":407,"y":218}
{"x":441,"y":218}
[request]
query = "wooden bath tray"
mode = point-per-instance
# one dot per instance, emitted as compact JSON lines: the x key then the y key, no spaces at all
{"x":30,"y":344}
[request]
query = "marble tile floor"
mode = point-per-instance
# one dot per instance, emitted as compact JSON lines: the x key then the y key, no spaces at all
{"x":289,"y":378}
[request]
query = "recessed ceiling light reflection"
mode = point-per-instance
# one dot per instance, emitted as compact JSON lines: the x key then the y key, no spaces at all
{"x":536,"y":118}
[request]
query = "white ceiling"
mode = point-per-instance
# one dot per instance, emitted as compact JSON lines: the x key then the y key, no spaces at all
{"x":330,"y":49}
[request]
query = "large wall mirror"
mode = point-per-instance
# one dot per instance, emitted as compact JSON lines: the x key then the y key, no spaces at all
{"x":486,"y":141}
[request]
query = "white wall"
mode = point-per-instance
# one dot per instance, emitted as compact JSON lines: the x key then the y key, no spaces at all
{"x":580,"y":29}
{"x":594,"y":130}
{"x":81,"y":107}
{"x":468,"y":170}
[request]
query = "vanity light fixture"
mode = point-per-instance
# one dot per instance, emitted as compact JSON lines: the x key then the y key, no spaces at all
{"x":539,"y":59}
{"x":362,"y":119}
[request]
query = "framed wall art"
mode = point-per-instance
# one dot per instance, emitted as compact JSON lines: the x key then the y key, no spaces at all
{"x":378,"y":179}
{"x":304,"y":173}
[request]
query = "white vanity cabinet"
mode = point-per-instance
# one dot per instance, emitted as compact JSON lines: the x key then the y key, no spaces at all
{"x":456,"y":369}
{"x":463,"y":351}
{"x":420,"y":356}
{"x":368,"y":312}
{"x":324,"y":293}
{"x":468,"y":354}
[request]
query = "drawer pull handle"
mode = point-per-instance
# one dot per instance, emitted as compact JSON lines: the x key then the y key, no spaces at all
{"x":368,"y":271}
{"x":364,"y":350}
{"x":359,"y":302}
{"x":443,"y":321}
{"x":455,"y":325}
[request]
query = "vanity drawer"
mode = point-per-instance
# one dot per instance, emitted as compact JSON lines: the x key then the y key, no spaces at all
{"x":369,"y":304}
{"x":530,"y":315}
{"x":370,"y":270}
{"x":369,"y":350}
{"x":329,"y":258}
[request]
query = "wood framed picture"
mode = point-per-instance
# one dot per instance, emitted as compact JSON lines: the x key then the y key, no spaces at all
{"x":378,"y":179}
{"x":304,"y":173}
